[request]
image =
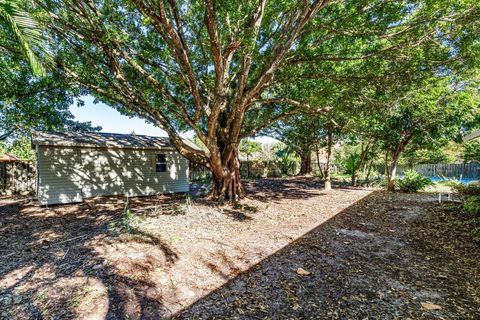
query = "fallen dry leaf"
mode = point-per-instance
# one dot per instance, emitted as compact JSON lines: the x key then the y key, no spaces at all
{"x":430,"y":306}
{"x":303,"y":272}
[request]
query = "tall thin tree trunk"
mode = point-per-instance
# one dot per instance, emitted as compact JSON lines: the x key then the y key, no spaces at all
{"x":317,"y":153}
{"x":392,"y":172}
{"x":386,"y":172}
{"x":327,"y":172}
{"x":369,"y":171}
{"x":363,"y":154}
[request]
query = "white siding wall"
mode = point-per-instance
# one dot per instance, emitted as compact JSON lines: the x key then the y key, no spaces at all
{"x":68,"y":174}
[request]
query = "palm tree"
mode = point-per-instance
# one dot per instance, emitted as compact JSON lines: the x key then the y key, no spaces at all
{"x":25,"y":30}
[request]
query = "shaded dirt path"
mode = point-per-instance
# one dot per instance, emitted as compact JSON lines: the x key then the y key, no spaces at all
{"x":390,"y":256}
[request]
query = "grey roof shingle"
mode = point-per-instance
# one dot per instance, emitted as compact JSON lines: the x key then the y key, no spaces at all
{"x":100,"y":139}
{"x":473,"y":135}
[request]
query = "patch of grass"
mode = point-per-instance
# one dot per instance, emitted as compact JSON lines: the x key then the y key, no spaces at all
{"x":85,"y":296}
{"x":186,"y":206}
{"x":175,"y":239}
{"x":470,"y":196}
{"x":41,"y":297}
{"x":128,"y":222}
{"x":76,"y":299}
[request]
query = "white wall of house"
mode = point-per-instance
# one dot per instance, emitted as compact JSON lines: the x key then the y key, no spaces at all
{"x":70,"y":174}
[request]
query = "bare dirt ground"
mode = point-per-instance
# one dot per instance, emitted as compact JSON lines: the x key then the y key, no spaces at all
{"x":361,"y":253}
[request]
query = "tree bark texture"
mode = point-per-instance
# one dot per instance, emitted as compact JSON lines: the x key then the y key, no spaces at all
{"x":305,"y":163}
{"x":392,"y":169}
{"x":327,"y":172}
{"x":227,"y":184}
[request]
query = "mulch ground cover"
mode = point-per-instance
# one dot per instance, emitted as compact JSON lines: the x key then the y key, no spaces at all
{"x":390,"y":256}
{"x":288,"y":251}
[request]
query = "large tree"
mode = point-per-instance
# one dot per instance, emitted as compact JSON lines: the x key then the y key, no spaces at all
{"x":427,"y":116}
{"x":29,"y":103}
{"x":216,"y":67}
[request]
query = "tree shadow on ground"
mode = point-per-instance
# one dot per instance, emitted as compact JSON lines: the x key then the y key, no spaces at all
{"x":270,"y":189}
{"x":368,"y":260}
{"x":294,"y":188}
{"x":374,"y":259}
{"x":273,"y":190}
{"x":53,"y":249}
{"x":266,"y":190}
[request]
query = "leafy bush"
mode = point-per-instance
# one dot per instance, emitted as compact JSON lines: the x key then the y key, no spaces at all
{"x":413,"y":182}
{"x":287,"y":160}
{"x":470,"y":196}
{"x":471,"y":152}
{"x":471,"y":205}
{"x":378,"y":181}
{"x":465,"y":190}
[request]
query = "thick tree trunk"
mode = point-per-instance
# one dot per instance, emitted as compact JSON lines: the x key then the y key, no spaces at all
{"x":327,"y":172}
{"x":392,"y":174}
{"x":227,"y":184}
{"x":305,"y":163}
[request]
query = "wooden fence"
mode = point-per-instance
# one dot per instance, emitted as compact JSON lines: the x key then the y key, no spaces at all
{"x":17,"y":177}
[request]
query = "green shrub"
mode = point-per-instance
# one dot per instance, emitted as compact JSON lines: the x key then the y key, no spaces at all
{"x":413,"y":182}
{"x":471,"y":205}
{"x":128,"y":222}
{"x":465,"y":190}
{"x":376,"y":182}
{"x":470,"y":196}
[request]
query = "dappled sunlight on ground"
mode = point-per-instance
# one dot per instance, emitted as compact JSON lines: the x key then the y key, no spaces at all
{"x":359,"y":254}
{"x":179,"y":254}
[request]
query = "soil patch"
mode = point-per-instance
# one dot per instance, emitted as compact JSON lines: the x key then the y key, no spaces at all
{"x":390,"y":256}
{"x":65,"y":261}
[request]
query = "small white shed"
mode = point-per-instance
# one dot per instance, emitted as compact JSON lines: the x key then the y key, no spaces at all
{"x":73,"y":166}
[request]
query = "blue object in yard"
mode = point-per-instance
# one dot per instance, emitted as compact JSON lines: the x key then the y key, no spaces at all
{"x":462,"y":180}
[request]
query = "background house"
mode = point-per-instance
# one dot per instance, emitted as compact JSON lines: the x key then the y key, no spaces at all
{"x":76,"y":165}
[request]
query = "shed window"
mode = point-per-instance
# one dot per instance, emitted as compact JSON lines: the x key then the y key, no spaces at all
{"x":161,"y":163}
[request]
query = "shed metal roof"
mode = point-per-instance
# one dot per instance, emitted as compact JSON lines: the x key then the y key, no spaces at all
{"x":473,"y":135}
{"x":100,"y":140}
